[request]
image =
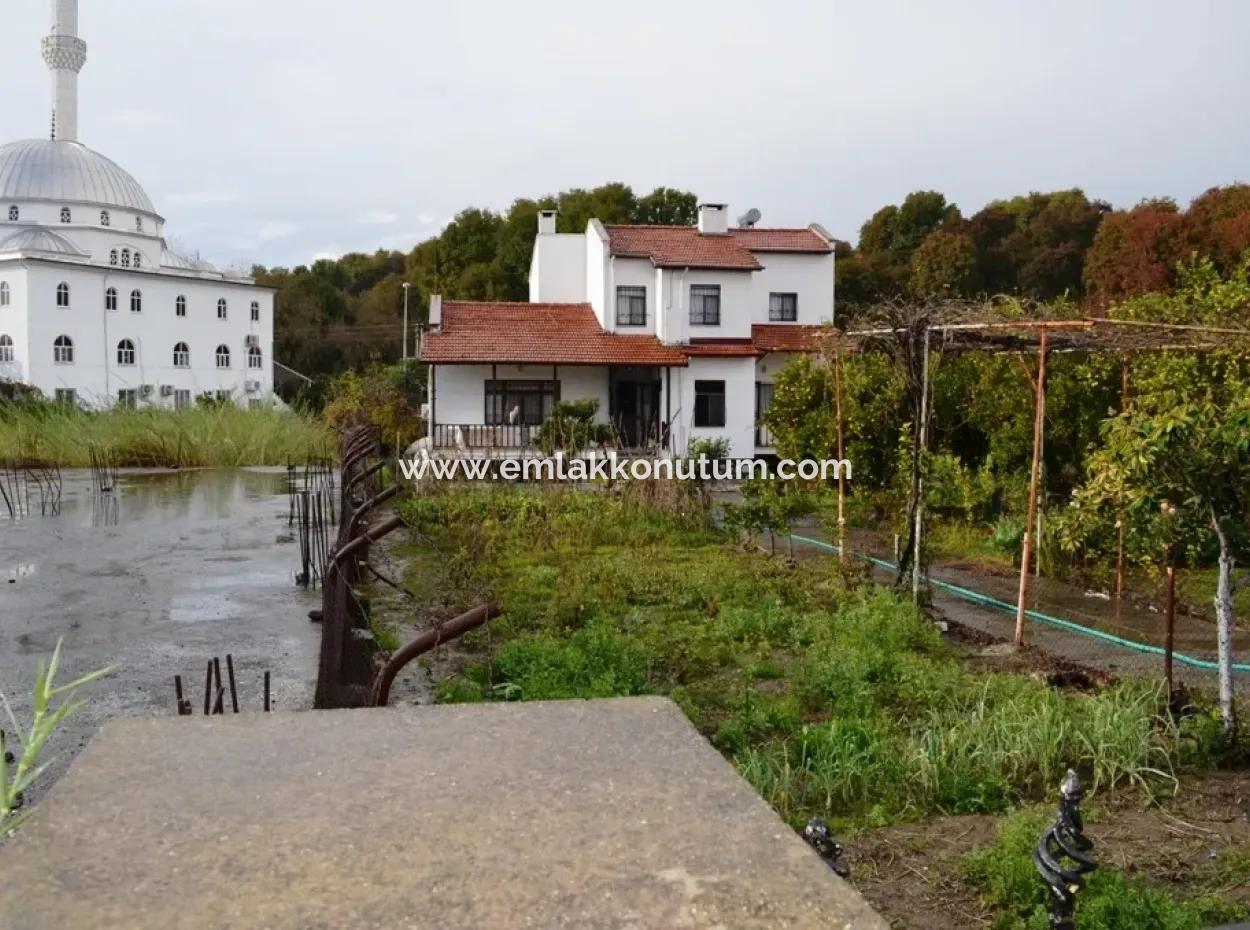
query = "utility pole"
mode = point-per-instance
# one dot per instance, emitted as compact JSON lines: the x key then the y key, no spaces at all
{"x":406,"y":287}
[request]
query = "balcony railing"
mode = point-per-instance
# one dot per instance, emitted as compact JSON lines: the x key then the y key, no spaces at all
{"x":470,"y":436}
{"x":763,"y":436}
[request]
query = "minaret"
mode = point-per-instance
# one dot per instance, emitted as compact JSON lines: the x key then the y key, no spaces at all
{"x":65,"y":54}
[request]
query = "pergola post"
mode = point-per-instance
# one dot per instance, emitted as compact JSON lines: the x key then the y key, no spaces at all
{"x":1039,"y":421}
{"x":1119,"y":520}
{"x":837,"y":395}
{"x":924,"y":445}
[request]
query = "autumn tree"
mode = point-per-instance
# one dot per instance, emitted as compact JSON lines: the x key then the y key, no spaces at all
{"x":1134,"y":252}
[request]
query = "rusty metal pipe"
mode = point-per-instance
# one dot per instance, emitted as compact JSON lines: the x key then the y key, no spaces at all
{"x":442,"y":633}
{"x":379,"y":498}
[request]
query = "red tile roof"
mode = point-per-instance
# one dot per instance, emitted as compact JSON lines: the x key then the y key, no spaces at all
{"x":540,"y":334}
{"x":783,"y":240}
{"x":722,"y":348}
{"x":787,"y":337}
{"x":680,"y":247}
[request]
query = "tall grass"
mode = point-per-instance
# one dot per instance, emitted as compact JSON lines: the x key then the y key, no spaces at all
{"x":218,"y":436}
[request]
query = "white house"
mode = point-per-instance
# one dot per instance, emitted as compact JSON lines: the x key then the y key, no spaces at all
{"x":94,"y":308}
{"x":677,"y":331}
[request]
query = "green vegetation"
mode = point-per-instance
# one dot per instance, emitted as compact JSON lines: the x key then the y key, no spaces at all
{"x":199,"y":436}
{"x":834,"y":701}
{"x":33,"y":740}
{"x":1111,"y":900}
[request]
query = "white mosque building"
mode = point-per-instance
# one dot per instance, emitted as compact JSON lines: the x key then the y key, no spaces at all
{"x":94,"y":308}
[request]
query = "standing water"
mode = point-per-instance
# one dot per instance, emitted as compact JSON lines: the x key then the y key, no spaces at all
{"x":155,"y":578}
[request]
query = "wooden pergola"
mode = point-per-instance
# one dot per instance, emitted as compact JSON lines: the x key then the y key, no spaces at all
{"x":1040,"y":337}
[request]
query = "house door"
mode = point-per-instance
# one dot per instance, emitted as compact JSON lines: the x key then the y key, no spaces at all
{"x":636,"y":412}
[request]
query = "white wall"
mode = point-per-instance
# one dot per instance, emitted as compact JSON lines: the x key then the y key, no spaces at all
{"x":596,"y":270}
{"x":808,"y":276}
{"x":736,"y":304}
{"x":558,"y":269}
{"x":631,"y":272}
{"x":460,"y":390}
{"x":95,"y":373}
{"x":739,"y":377}
{"x":13,"y":323}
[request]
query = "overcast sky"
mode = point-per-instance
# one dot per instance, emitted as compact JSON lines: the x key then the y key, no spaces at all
{"x":277,"y":130}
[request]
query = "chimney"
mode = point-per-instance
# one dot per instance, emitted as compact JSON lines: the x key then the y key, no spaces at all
{"x":436,"y":310}
{"x":546,"y":222}
{"x":713,"y":219}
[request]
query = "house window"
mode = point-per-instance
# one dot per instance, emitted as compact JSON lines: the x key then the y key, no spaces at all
{"x":66,"y":396}
{"x":65,"y":215}
{"x":113,"y":257}
{"x":125,"y":352}
{"x":136,"y":301}
{"x":180,"y":306}
{"x":110,"y":299}
{"x":705,"y":304}
{"x":255,"y":311}
{"x":631,"y":306}
{"x":254,"y":358}
{"x":525,"y":403}
{"x":222,"y":309}
{"x":182,"y":355}
{"x":4,"y":293}
{"x":128,"y":398}
{"x":783,"y":308}
{"x":105,"y":219}
{"x":62,"y":294}
{"x":223,"y":356}
{"x":709,"y":403}
{"x":6,"y":348}
{"x":14,"y":214}
{"x":182,"y":399}
{"x":63,"y":350}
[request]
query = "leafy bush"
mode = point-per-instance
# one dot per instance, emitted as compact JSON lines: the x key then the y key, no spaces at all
{"x":571,"y":427}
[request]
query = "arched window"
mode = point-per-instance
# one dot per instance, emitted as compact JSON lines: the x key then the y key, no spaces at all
{"x":63,"y":350}
{"x":136,"y":301}
{"x":62,"y":294}
{"x":255,"y":311}
{"x":138,"y":260}
{"x":254,"y":358}
{"x":113,"y":257}
{"x":110,"y":299}
{"x":6,"y":348}
{"x":65,"y":215}
{"x":223,"y":309}
{"x":4,"y":293}
{"x":14,"y":214}
{"x":180,"y":306}
{"x":182,"y":355}
{"x":105,"y":218}
{"x":138,"y":224}
{"x":223,"y":356}
{"x":125,"y":258}
{"x":125,"y":352}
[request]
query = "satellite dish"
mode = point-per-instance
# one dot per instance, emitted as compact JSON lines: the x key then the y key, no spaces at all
{"x":750,"y":218}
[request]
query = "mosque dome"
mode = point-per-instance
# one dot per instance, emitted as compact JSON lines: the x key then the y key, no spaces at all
{"x":38,"y":239}
{"x":59,"y":171}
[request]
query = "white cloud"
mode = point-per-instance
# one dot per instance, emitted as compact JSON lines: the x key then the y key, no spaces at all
{"x":378,"y":218}
{"x":330,"y":254}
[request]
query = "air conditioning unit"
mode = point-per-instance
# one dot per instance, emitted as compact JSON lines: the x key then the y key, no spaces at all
{"x":252,"y":342}
{"x":146,"y":391}
{"x":252,"y":387}
{"x":167,"y":390}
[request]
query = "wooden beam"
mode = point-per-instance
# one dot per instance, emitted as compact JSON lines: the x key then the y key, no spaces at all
{"x":1039,"y":421}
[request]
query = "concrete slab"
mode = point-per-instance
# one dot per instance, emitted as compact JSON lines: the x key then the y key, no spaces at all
{"x":601,"y":814}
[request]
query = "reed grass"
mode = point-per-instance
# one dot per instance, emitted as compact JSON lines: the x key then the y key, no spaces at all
{"x":219,"y":436}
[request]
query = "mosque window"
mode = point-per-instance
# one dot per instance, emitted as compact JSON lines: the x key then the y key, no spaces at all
{"x":182,"y":355}
{"x":180,"y":306}
{"x":254,"y":358}
{"x":5,"y":294}
{"x":255,"y":311}
{"x":125,"y":352}
{"x":65,"y":215}
{"x":223,"y":356}
{"x":138,"y":260}
{"x":15,"y":214}
{"x":222,"y":309}
{"x":125,"y":258}
{"x":62,"y":294}
{"x":105,"y":219}
{"x":136,"y":301}
{"x":110,"y":299}
{"x":6,"y":348}
{"x":113,"y":257}
{"x":138,"y":224}
{"x":63,"y":350}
